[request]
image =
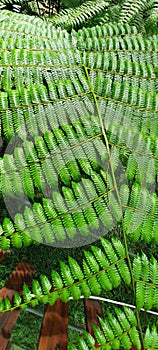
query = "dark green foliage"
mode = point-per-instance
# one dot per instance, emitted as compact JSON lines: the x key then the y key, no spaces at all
{"x":70,"y":14}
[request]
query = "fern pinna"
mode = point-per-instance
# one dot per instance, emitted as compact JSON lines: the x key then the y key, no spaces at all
{"x":79,"y":116}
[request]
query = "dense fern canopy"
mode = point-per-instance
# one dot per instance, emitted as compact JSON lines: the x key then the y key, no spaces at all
{"x":70,"y":14}
{"x":79,"y":116}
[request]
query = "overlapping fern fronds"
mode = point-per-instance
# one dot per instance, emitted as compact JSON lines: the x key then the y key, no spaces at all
{"x":79,"y":112}
{"x":69,"y":150}
{"x":75,"y":14}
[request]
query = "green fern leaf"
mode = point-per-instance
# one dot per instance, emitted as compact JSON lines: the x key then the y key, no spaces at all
{"x":135,"y":337}
{"x":46,"y":285}
{"x":7,"y":303}
{"x":17,"y":299}
{"x":4,"y":243}
{"x":75,"y":269}
{"x":64,"y":295}
{"x":27,"y":296}
{"x":99,"y":335}
{"x":36,"y":288}
{"x":52,"y":298}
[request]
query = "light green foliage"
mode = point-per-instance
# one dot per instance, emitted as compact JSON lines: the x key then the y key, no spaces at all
{"x":77,"y":155}
{"x":79,"y":115}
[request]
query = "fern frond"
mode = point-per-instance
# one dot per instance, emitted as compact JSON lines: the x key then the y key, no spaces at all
{"x":79,"y":115}
{"x":146,"y":283}
{"x":74,"y":17}
{"x":101,"y":270}
{"x":130,"y":8}
{"x":115,"y":332}
{"x":151,"y":338}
